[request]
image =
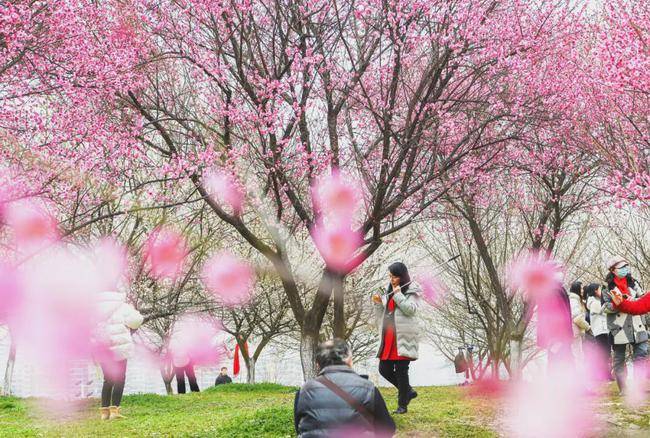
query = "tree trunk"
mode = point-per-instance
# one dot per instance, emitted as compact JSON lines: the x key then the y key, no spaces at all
{"x":312,"y":323}
{"x":516,"y":342}
{"x":339,"y":307}
{"x":167,"y":373}
{"x":495,"y":369}
{"x":515,"y":358}
{"x":250,"y":370}
{"x":308,"y":343}
{"x":9,"y":370}
{"x":168,"y":387}
{"x":470,"y":365}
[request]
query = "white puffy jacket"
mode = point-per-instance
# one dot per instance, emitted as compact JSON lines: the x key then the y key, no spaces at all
{"x":117,"y":317}
{"x":597,"y":317}
{"x":578,"y":315}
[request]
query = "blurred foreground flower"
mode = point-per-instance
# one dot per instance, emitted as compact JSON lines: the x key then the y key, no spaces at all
{"x":165,"y":251}
{"x":534,"y":274}
{"x":222,"y":187}
{"x":229,"y":278}
{"x":195,"y":339}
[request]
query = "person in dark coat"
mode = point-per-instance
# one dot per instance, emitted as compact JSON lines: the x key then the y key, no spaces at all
{"x":223,"y":377}
{"x":340,"y":400}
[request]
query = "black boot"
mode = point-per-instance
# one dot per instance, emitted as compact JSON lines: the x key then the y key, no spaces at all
{"x":400,"y":410}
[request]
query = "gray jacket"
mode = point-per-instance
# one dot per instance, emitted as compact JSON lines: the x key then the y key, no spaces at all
{"x":407,"y":326}
{"x":318,"y":411}
{"x":624,"y":328}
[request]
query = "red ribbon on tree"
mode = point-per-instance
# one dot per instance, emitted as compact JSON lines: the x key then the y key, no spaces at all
{"x":235,"y":364}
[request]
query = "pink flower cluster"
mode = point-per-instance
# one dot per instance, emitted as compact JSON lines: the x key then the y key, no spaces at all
{"x":534,"y":275}
{"x":336,"y":200}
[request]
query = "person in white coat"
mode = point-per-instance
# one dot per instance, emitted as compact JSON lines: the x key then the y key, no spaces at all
{"x":598,"y":322}
{"x":117,"y":319}
{"x":578,"y":316}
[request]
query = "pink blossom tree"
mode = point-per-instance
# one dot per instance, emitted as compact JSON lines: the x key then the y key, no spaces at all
{"x":408,"y":97}
{"x":618,"y":97}
{"x":411,"y":99}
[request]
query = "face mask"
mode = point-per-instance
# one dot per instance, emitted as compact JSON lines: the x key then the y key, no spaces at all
{"x":622,"y":271}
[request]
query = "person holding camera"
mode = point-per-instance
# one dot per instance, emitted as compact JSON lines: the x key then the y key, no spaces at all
{"x":340,"y":402}
{"x":624,"y":328}
{"x":396,"y":317}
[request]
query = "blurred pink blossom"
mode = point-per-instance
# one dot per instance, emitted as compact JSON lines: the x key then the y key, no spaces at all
{"x":489,"y":387}
{"x":222,"y":186}
{"x":337,"y":196}
{"x":10,"y":291}
{"x":534,"y":274}
{"x":165,"y":251}
{"x":229,"y":278}
{"x":555,"y":404}
{"x":111,"y":259}
{"x":32,"y":225}
{"x":337,"y":244}
{"x":55,"y":321}
{"x":348,"y":431}
{"x":595,"y":364}
{"x":195,"y":339}
{"x":554,"y":323}
{"x":433,"y":290}
{"x":635,"y":394}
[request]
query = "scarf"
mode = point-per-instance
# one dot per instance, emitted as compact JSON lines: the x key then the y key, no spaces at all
{"x":621,"y":284}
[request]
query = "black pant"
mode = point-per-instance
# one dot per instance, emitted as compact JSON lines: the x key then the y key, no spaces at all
{"x":191,"y":377}
{"x":114,"y":378}
{"x":397,"y":373}
{"x":639,"y":356}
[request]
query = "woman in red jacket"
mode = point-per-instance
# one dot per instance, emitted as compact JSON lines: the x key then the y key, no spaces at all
{"x":633,"y":307}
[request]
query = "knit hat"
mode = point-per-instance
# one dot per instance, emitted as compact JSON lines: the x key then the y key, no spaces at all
{"x":613,"y":261}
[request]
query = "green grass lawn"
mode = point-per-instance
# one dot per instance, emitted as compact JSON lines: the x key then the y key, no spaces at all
{"x":266,"y":410}
{"x":237,"y":410}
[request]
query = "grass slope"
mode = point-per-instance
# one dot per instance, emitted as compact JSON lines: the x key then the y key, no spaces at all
{"x":266,"y":410}
{"x":237,"y":410}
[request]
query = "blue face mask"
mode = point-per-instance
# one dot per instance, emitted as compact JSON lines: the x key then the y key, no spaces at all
{"x":623,"y":271}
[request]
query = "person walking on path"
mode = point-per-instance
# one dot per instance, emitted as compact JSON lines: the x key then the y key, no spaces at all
{"x":118,"y":318}
{"x":625,"y":329}
{"x":340,"y":402}
{"x":396,"y":318}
